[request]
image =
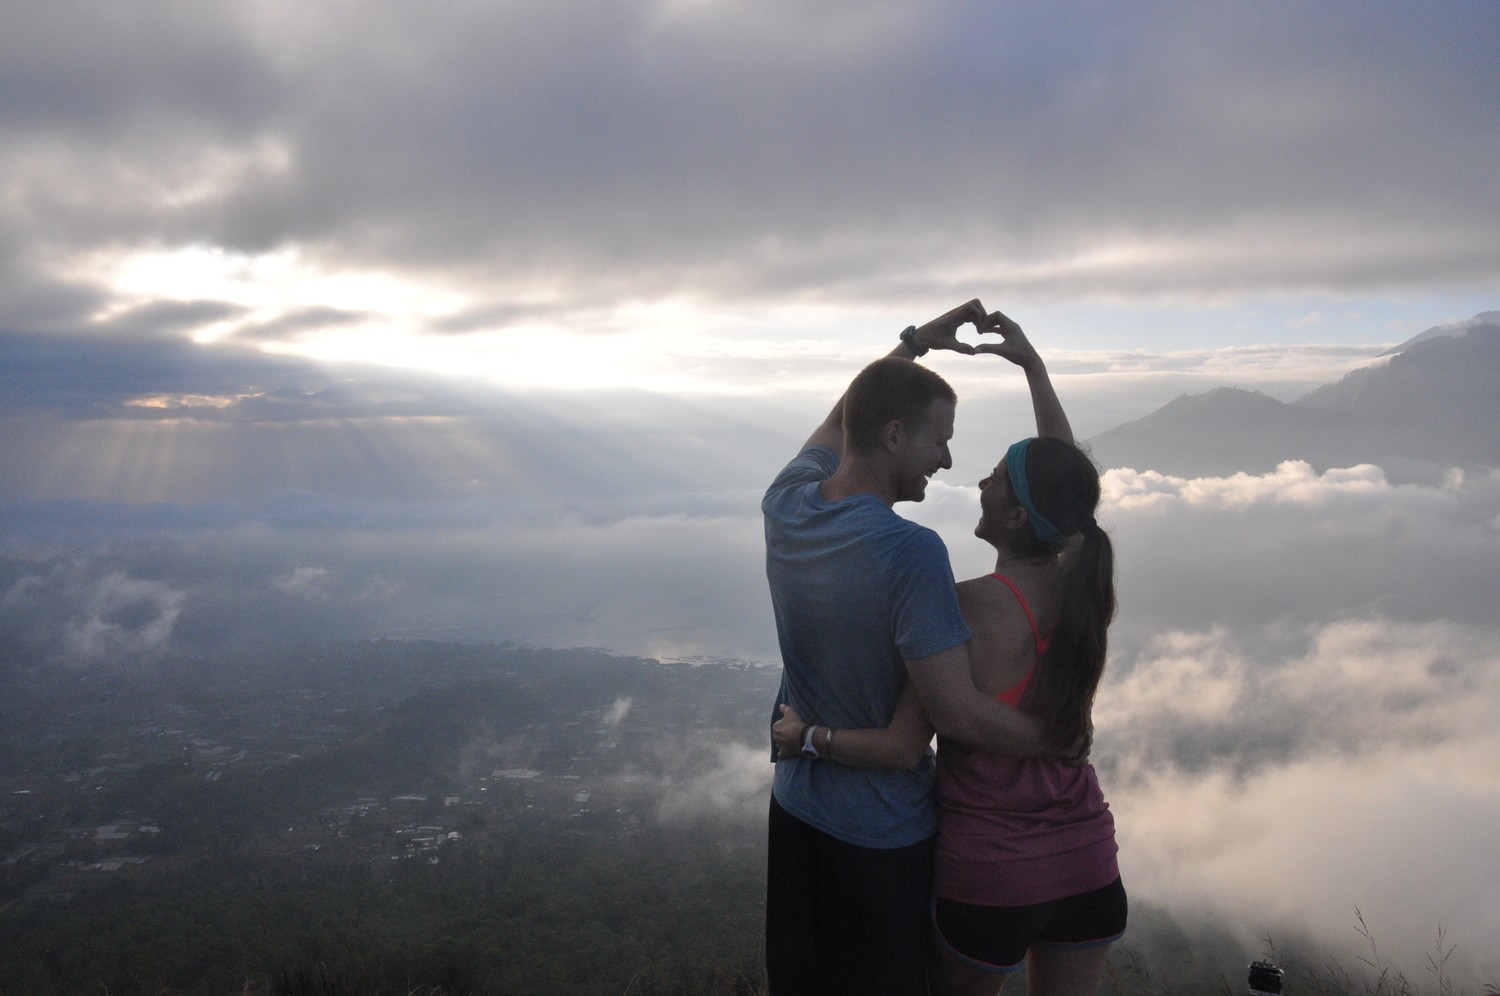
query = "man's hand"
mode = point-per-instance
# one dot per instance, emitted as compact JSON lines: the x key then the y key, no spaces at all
{"x":1015,"y":347}
{"x":942,"y":332}
{"x":1078,"y":754}
{"x":787,"y":733}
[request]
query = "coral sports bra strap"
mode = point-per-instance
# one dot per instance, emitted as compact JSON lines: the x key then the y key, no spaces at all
{"x":1036,"y":633}
{"x":1012,"y":695}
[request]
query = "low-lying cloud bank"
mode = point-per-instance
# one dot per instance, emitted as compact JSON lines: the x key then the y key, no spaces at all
{"x":682,"y":575}
{"x":735,"y":783}
{"x":1297,"y":720}
{"x":1291,"y":544}
{"x":1283,"y":782}
{"x":1308,"y":730}
{"x":665,"y":585}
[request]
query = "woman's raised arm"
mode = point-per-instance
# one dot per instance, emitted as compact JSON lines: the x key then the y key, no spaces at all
{"x":1051,"y":420}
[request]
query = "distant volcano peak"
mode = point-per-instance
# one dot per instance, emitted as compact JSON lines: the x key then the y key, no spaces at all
{"x":1434,"y":404}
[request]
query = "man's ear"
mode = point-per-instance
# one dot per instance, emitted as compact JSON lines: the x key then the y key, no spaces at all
{"x":891,"y":434}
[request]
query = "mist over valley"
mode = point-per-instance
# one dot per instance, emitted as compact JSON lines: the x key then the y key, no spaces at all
{"x":1304,"y":652}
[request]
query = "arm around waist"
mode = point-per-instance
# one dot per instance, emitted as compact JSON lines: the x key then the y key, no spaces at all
{"x":961,"y":712}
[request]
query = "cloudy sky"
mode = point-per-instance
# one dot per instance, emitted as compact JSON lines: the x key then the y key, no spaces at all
{"x":491,"y":321}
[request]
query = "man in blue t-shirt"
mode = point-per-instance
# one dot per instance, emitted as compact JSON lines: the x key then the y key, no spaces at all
{"x":865,"y":603}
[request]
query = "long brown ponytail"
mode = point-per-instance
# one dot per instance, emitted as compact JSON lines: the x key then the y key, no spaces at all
{"x":1064,"y":486}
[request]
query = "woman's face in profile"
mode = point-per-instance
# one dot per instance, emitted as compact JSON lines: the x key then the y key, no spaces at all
{"x":994,"y":503}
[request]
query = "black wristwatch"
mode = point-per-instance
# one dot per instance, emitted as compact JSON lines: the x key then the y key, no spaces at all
{"x":909,"y":336}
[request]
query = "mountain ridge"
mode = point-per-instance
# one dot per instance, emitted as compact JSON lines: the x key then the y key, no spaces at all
{"x":1450,"y":329}
{"x":1433,"y":405}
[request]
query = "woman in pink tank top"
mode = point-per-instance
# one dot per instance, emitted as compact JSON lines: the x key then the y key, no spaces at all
{"x":1025,"y":869}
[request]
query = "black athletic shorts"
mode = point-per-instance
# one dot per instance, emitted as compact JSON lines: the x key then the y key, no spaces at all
{"x":995,"y":938}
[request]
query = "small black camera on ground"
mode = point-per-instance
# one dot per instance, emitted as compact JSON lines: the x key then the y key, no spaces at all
{"x":1265,"y":979}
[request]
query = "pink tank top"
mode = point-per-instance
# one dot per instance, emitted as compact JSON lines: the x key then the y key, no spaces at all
{"x":1014,"y":831}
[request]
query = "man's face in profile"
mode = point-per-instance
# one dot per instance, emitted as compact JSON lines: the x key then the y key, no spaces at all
{"x":923,"y":450}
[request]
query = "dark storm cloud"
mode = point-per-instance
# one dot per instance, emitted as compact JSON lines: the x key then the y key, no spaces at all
{"x":167,"y":318}
{"x":734,"y":149}
{"x":124,"y":66}
{"x":113,"y":372}
{"x":516,"y":313}
{"x":297,"y":323}
{"x":746,"y":148}
{"x":35,"y":299}
{"x":93,"y":374}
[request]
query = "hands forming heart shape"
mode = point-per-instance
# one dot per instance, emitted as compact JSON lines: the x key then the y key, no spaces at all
{"x":942,"y":333}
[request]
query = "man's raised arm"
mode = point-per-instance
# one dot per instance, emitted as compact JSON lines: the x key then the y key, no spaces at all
{"x":940,"y":333}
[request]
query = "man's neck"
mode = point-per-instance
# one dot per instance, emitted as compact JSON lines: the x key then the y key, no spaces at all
{"x":858,"y":475}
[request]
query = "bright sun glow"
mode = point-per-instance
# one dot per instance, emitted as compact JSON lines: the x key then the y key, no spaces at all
{"x":287,"y":305}
{"x":268,"y":287}
{"x":663,"y":347}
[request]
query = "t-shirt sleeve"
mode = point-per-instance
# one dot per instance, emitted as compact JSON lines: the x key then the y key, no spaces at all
{"x":927,"y":617}
{"x":816,"y":463}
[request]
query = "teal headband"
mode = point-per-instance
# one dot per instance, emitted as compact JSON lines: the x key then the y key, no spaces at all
{"x":1015,"y":467}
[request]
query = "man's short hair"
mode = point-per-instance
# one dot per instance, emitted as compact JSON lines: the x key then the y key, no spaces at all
{"x":889,"y":390}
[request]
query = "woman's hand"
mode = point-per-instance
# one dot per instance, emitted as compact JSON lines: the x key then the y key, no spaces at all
{"x":787,"y":733}
{"x":1015,"y":347}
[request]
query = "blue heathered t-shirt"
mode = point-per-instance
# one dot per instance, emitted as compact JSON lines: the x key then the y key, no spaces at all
{"x":857,"y":591}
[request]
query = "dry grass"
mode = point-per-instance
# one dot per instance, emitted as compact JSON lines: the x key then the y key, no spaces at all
{"x":1379,"y":978}
{"x":1372,"y":975}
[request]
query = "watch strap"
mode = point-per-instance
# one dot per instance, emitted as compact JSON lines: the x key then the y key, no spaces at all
{"x":809,"y":749}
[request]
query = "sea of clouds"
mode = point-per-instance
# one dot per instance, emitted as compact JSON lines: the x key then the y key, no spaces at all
{"x":1297,"y":720}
